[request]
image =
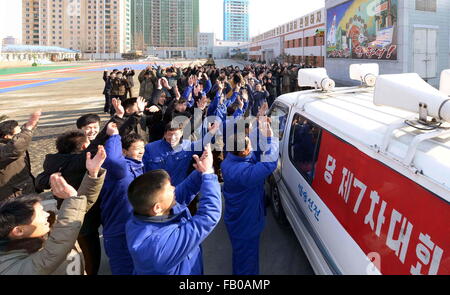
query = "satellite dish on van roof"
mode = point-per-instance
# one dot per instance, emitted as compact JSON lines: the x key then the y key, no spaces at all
{"x":411,"y":93}
{"x":317,"y":78}
{"x":365,"y":73}
{"x":445,"y":82}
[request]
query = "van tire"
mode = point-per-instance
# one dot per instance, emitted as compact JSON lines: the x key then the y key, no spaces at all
{"x":277,"y":207}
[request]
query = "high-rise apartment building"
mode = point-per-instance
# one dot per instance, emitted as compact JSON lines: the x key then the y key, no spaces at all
{"x":91,"y":26}
{"x":164,"y":23}
{"x":174,"y":23}
{"x":236,"y":20}
{"x":140,"y":24}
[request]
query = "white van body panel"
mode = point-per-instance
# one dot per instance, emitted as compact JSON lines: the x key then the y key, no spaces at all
{"x":349,"y":113}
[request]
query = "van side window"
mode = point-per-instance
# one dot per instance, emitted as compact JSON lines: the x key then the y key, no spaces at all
{"x":281,"y":112}
{"x":304,"y":145}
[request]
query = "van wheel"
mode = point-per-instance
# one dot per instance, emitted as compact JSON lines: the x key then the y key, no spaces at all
{"x":277,"y":207}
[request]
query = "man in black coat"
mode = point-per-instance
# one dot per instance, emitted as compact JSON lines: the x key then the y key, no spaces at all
{"x":107,"y":90}
{"x":129,"y":75}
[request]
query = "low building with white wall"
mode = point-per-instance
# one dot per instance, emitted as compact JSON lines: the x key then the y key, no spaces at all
{"x":402,"y":36}
{"x":298,"y":41}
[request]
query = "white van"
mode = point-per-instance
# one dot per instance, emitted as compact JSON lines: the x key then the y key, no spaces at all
{"x":366,"y":188}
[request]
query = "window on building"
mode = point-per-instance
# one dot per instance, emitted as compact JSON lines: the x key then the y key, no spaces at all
{"x":426,"y":5}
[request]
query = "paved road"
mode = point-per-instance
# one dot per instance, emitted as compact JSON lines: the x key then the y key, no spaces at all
{"x":63,"y":103}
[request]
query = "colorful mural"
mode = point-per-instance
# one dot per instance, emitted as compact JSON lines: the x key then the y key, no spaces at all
{"x":363,"y":29}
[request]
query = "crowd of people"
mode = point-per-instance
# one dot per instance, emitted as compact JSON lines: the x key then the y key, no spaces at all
{"x":150,"y":178}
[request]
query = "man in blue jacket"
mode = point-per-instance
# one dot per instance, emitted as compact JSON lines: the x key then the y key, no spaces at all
{"x":244,"y":173}
{"x":163,"y":237}
{"x":257,"y":98}
{"x":174,"y":154}
{"x":124,"y":161}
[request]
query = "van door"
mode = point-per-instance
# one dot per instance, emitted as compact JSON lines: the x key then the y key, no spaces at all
{"x":279,"y":113}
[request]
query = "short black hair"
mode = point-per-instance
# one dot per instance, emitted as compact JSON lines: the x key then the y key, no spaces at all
{"x":15,"y":212}
{"x":71,"y":142}
{"x":143,"y":191}
{"x":232,"y":109}
{"x":172,"y":127}
{"x":7,"y":128}
{"x":129,"y":102}
{"x":130,"y":139}
{"x":87,"y":120}
{"x":180,"y":101}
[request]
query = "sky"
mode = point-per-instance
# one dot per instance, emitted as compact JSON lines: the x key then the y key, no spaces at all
{"x":264,"y":15}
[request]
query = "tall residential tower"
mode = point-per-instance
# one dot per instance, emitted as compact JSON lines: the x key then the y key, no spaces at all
{"x":236,"y":20}
{"x":96,"y":27}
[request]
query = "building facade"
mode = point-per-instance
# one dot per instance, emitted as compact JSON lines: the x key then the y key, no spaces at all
{"x":10,"y":40}
{"x":205,"y":45}
{"x":99,"y":29}
{"x":174,"y":23}
{"x":402,"y":36}
{"x":140,"y":24}
{"x":236,"y":20}
{"x":299,"y":41}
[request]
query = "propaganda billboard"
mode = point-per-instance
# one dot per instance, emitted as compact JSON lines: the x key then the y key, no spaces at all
{"x":363,"y":29}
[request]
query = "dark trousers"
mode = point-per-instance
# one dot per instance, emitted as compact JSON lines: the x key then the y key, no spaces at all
{"x":120,"y":260}
{"x":89,"y":239}
{"x":245,"y":256}
{"x":108,"y":103}
{"x":92,"y":252}
{"x":128,"y":94}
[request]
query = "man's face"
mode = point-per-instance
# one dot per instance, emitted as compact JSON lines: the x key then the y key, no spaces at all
{"x":173,"y":137}
{"x":119,"y":76}
{"x":38,"y":227}
{"x":91,"y":130}
{"x":167,"y":198}
{"x":162,"y":100}
{"x":258,"y":87}
{"x":136,"y":151}
{"x":181,"y":108}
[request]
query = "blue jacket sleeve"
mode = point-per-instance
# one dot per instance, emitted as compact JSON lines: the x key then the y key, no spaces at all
{"x":187,"y":92}
{"x":208,"y":86}
{"x":186,"y":191}
{"x":147,"y":159}
{"x":267,"y":164}
{"x":214,"y":104}
{"x":188,"y":236}
{"x":115,"y":162}
{"x":232,"y":99}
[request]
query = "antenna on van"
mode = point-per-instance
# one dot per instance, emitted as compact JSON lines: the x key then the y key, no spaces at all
{"x":411,"y":93}
{"x":365,"y":73}
{"x":317,"y":78}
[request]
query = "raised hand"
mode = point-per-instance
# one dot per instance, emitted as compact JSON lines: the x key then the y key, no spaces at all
{"x":205,"y":163}
{"x":192,"y":80}
{"x":60,"y":188}
{"x":112,"y":129}
{"x":265,"y":126}
{"x":202,"y":103}
{"x":141,"y":104}
{"x":117,"y":104}
{"x":153,"y":109}
{"x":263,"y":109}
{"x":33,"y":120}
{"x":165,"y":83}
{"x":214,"y":127}
{"x":94,"y":165}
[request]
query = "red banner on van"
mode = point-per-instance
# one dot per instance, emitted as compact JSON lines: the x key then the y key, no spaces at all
{"x":388,"y":215}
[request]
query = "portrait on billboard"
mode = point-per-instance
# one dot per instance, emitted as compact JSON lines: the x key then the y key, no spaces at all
{"x":363,"y":29}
